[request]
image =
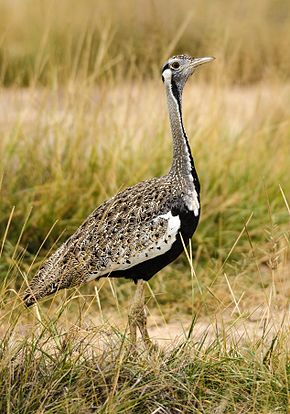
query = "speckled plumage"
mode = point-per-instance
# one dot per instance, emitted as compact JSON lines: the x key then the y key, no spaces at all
{"x":111,"y":237}
{"x":139,"y":230}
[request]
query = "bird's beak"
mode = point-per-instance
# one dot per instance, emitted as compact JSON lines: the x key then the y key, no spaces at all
{"x":200,"y":61}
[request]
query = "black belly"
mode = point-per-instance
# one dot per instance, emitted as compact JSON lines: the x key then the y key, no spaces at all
{"x":149,"y":268}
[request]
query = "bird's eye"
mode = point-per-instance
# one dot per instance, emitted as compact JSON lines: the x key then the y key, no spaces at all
{"x":175,"y":65}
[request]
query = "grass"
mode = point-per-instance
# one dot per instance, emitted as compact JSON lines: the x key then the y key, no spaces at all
{"x":54,"y":372}
{"x":49,"y":43}
{"x":65,"y":151}
{"x":87,"y":125}
{"x":58,"y":167}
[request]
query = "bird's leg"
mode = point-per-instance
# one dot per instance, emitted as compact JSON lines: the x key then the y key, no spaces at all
{"x":137,"y":316}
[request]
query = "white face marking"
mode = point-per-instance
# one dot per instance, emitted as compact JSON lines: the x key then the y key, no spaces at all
{"x":167,"y":75}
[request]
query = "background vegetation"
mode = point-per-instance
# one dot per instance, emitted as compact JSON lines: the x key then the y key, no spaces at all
{"x":49,"y":41}
{"x":83,"y":114}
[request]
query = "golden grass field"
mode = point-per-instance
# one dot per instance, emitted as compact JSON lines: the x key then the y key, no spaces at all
{"x":82,"y":115}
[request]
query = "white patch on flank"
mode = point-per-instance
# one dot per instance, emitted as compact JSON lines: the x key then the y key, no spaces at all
{"x":157,"y":247}
{"x":173,"y":223}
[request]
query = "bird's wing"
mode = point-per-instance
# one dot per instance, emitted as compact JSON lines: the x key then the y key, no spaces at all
{"x":130,"y":228}
{"x":136,"y":243}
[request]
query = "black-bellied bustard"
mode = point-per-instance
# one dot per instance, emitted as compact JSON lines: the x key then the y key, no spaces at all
{"x":141,"y":229}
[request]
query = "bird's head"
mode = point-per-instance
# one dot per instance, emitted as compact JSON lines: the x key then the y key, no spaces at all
{"x":178,"y":69}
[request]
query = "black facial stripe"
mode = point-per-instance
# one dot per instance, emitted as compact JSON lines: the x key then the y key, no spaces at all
{"x":166,"y":66}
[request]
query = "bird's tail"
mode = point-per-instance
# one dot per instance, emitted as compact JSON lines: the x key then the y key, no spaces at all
{"x":29,"y":299}
{"x":37,"y":291}
{"x":47,"y":280}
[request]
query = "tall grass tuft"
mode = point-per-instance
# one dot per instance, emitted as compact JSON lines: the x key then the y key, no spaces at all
{"x":54,"y":371}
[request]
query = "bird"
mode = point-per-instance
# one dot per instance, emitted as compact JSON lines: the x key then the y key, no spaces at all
{"x":141,"y":229}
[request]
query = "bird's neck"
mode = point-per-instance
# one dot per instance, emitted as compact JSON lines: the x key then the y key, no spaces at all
{"x":182,"y":163}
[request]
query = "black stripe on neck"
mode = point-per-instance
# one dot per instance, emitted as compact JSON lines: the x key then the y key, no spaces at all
{"x":176,"y":95}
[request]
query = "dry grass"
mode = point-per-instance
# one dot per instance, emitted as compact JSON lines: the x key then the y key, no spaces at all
{"x":53,"y":372}
{"x":65,"y":151}
{"x":51,"y":42}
